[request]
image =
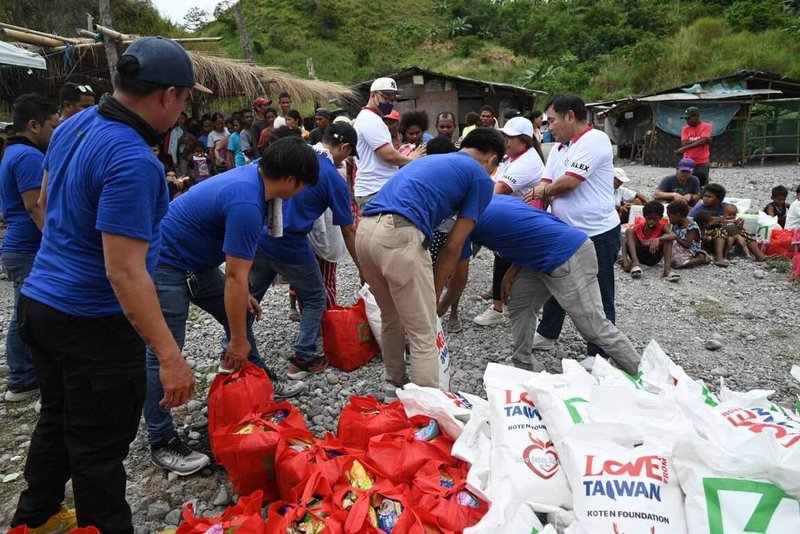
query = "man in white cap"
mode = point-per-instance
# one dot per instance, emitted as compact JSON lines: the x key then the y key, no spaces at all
{"x":378,"y":159}
{"x":624,"y":197}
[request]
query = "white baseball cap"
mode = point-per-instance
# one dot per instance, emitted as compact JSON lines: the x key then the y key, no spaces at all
{"x":621,"y":175}
{"x":383,"y":85}
{"x":518,"y":126}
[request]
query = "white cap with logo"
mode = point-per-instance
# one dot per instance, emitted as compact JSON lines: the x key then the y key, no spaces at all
{"x":518,"y":126}
{"x":383,"y":85}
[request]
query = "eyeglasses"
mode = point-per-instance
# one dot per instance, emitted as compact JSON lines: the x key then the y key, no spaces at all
{"x":85,"y":89}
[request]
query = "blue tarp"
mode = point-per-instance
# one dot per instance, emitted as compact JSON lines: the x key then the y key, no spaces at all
{"x":669,"y":117}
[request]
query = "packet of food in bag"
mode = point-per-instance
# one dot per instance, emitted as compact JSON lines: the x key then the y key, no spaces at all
{"x":450,"y":410}
{"x":728,"y":494}
{"x":622,"y":481}
{"x":523,"y":456}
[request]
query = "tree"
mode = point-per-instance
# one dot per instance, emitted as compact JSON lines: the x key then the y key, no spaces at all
{"x":196,"y":18}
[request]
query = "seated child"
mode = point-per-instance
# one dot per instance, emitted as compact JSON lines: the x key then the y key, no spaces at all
{"x":711,"y":201}
{"x":793,"y":215}
{"x":624,"y":198}
{"x":648,"y":242}
{"x":778,"y":207}
{"x":686,"y":247}
{"x":727,"y":232}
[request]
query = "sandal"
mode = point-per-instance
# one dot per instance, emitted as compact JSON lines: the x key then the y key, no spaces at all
{"x":294,"y":316}
{"x":673,"y":277}
{"x":454,"y":325}
{"x":706,"y":257}
{"x":722,"y":263}
{"x":636,"y":272}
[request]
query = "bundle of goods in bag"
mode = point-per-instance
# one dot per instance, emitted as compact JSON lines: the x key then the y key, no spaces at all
{"x":234,"y":396}
{"x":300,"y":456}
{"x":82,"y":530}
{"x":441,"y":490}
{"x":382,"y":508}
{"x":398,"y":455}
{"x":622,"y":480}
{"x":523,"y":456}
{"x":364,"y":417}
{"x":247,"y":449}
{"x":347,"y":339}
{"x":243,"y":518}
{"x":312,"y":512}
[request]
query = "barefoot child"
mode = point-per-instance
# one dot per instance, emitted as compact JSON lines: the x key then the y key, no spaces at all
{"x":648,"y":242}
{"x":735,"y":234}
{"x":686,"y":249}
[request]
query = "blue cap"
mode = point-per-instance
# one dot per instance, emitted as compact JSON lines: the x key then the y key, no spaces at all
{"x":164,"y":62}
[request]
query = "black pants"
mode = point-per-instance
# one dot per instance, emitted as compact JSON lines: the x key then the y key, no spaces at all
{"x":701,"y":171}
{"x":499,"y":270}
{"x":92,"y":380}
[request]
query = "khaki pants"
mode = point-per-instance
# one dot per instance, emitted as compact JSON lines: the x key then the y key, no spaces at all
{"x":398,"y":270}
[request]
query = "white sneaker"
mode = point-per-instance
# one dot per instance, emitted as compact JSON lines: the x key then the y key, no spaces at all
{"x":11,"y":396}
{"x":543,"y":343}
{"x":489,"y":317}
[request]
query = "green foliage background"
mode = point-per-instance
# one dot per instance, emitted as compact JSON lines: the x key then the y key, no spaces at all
{"x":599,"y":48}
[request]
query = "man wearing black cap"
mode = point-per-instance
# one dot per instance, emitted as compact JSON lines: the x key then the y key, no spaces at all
{"x":291,"y":255}
{"x":695,"y":143}
{"x":89,"y":304}
{"x":322,"y":118}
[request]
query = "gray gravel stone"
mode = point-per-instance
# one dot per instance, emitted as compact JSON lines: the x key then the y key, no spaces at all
{"x":720,"y":371}
{"x":157,"y":511}
{"x":713,"y":344}
{"x":173,"y":518}
{"x":332,"y":379}
{"x":222,"y":498}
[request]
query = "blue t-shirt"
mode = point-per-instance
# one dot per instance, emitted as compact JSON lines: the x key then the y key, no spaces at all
{"x":670,"y":184}
{"x":235,"y":146}
{"x":702,"y":207}
{"x":300,"y":212}
{"x":220,"y":216}
{"x":525,"y":235}
{"x":20,"y":171}
{"x":103,"y":178}
{"x":433,"y":188}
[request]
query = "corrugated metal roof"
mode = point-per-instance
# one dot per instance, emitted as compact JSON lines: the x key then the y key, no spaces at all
{"x":685,"y":97}
{"x":411,"y":70}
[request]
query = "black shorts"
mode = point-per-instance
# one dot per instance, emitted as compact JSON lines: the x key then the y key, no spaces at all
{"x":646,"y":257}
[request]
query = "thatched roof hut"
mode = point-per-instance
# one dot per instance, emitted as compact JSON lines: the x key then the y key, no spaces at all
{"x":84,"y":61}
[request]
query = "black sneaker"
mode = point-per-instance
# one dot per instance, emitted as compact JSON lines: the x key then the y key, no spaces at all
{"x":285,"y":389}
{"x":178,"y":457}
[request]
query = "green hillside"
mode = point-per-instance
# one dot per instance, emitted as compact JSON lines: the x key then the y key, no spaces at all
{"x":600,"y":49}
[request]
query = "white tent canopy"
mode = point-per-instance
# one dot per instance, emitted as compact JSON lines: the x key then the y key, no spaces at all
{"x":14,"y":55}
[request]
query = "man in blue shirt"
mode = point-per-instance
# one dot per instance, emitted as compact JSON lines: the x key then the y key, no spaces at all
{"x":550,"y":258}
{"x":20,"y":184}
{"x":89,"y":304}
{"x":291,"y":255}
{"x":218,"y":220}
{"x":392,"y":245}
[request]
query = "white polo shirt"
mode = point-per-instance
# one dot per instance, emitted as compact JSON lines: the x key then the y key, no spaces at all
{"x":373,"y":172}
{"x":522,"y":173}
{"x":589,"y":158}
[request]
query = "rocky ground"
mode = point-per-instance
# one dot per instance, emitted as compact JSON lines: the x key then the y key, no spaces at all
{"x":747,"y":312}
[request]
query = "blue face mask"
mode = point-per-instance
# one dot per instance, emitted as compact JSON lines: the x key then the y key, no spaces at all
{"x":385,"y":108}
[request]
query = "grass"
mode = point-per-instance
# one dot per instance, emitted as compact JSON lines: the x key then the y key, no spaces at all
{"x":779,"y":333}
{"x":780,"y":266}
{"x":709,"y":310}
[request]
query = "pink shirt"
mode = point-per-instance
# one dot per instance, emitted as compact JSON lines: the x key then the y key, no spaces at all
{"x":702,"y":154}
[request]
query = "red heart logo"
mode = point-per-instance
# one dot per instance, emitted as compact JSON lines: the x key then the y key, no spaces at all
{"x":541,"y":458}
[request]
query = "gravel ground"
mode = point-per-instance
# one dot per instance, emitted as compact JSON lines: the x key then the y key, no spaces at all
{"x":746,"y":310}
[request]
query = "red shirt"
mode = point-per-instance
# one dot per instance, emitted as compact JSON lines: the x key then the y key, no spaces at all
{"x":639,"y":227}
{"x":701,"y":154}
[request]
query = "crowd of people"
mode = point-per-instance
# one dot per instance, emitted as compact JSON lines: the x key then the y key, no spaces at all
{"x":107,"y":249}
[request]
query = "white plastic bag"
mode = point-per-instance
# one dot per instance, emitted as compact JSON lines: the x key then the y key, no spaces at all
{"x":450,"y":410}
{"x":523,"y":459}
{"x":726,"y":495}
{"x":326,"y":239}
{"x":508,"y":515}
{"x":765,"y":225}
{"x":373,"y":312}
{"x":742,"y":204}
{"x":622,"y":480}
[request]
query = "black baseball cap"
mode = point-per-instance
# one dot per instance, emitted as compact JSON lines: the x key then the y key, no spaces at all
{"x":164,"y":62}
{"x":344,"y":133}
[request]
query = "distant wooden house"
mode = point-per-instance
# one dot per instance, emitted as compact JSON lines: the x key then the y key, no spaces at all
{"x":435,"y":92}
{"x":754,"y":114}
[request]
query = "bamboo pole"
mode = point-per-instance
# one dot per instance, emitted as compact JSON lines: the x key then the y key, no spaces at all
{"x":5,"y":25}
{"x":32,"y":38}
{"x":113,"y":35}
{"x":87,"y":33}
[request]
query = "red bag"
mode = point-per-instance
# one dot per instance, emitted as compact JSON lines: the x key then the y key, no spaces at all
{"x":346,"y":337}
{"x":312,"y":504}
{"x":399,"y":455}
{"x":796,"y":266}
{"x":244,"y":518}
{"x":364,"y":417}
{"x":359,"y":519}
{"x":344,"y":485}
{"x":780,"y":243}
{"x":454,"y":507}
{"x":247,"y":449}
{"x":300,"y":456}
{"x":234,"y":396}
